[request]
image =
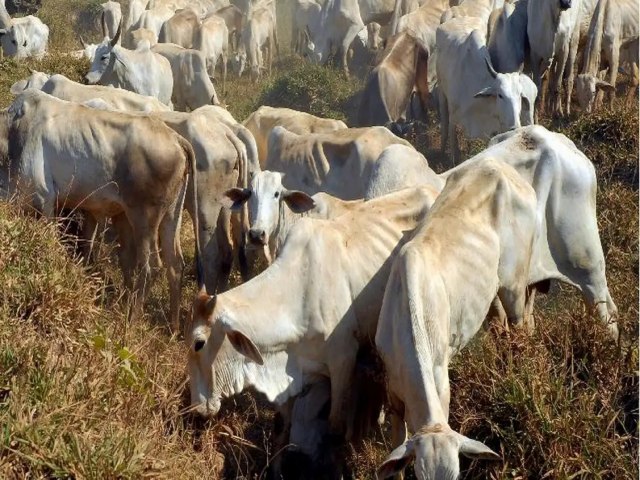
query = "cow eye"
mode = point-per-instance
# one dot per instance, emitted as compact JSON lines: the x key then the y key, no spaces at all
{"x":499,"y":95}
{"x":198,"y":345}
{"x":277,"y":194}
{"x":14,"y":42}
{"x":105,"y":57}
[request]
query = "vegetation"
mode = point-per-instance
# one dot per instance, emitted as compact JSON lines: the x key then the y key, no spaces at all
{"x":85,"y":394}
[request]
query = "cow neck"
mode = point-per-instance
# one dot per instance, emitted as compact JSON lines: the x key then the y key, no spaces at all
{"x":264,"y":309}
{"x":286,"y":220}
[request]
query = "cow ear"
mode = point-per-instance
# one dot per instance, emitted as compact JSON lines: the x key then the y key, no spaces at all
{"x":244,"y":345}
{"x":477,"y":450}
{"x":606,"y":86}
{"x":486,"y":92}
{"x":234,"y":198}
{"x":297,"y":201}
{"x":397,"y":461}
{"x":19,"y":86}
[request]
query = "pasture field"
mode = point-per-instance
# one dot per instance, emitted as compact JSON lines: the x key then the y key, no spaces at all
{"x":85,"y":394}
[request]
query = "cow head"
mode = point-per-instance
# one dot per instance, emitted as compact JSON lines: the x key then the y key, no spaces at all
{"x":265,"y":198}
{"x":587,"y":87}
{"x":505,"y":90}
{"x":102,"y":57}
{"x":14,"y":41}
{"x":217,"y":351}
{"x":435,"y":451}
{"x":36,"y":80}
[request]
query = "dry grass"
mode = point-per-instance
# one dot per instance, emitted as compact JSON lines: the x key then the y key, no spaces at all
{"x":83,"y":394}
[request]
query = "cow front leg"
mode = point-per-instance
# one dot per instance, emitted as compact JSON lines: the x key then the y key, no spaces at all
{"x":341,"y":372}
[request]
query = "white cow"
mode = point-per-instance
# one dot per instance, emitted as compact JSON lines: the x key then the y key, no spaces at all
{"x":342,"y":20}
{"x":615,"y":23}
{"x":402,"y":8}
{"x":26,"y":37}
{"x":553,"y":28}
{"x":234,"y":19}
{"x":398,"y":167}
{"x":473,"y":8}
{"x":136,"y":7}
{"x":181,"y":29}
{"x":306,"y":14}
{"x":475,"y":242}
{"x":119,"y":99}
{"x":262,"y":121}
{"x":110,"y":18}
{"x":339,"y":163}
{"x":258,"y":42}
{"x":141,"y":70}
{"x":508,"y":37}
{"x":151,"y":19}
{"x":213,"y":41}
{"x":310,"y":310}
{"x":106,"y":164}
{"x":471,"y":93}
{"x":192,"y":87}
{"x":139,"y":35}
{"x":274,"y":209}
{"x":35,"y":80}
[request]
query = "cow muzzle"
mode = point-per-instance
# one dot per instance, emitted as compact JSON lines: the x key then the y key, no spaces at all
{"x":257,"y":237}
{"x":565,"y":4}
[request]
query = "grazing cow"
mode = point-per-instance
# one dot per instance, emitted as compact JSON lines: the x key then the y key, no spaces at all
{"x":342,"y":20}
{"x":213,"y":41}
{"x":262,"y":121}
{"x":398,"y":167}
{"x":221,"y":161}
{"x":306,"y":14}
{"x":119,"y":99}
{"x":338,"y":163}
{"x":326,"y":286}
{"x":141,"y":70}
{"x":182,"y":29}
{"x":192,"y":87}
{"x":402,"y":71}
{"x":273,"y":209}
{"x":258,"y":41}
{"x":139,"y":35}
{"x":568,"y":244}
{"x":132,"y":168}
{"x":472,"y":94}
{"x":110,"y":18}
{"x":508,"y":37}
{"x":136,"y":7}
{"x":26,"y":37}
{"x":35,"y":80}
{"x":615,"y":22}
{"x":475,"y":242}
{"x":553,"y":30}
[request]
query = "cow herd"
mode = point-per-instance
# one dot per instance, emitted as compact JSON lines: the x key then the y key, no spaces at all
{"x":369,"y":252}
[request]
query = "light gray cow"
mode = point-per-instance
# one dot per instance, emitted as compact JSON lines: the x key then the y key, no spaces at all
{"x":141,"y":70}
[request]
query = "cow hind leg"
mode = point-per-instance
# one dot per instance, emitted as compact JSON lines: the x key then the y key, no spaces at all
{"x":126,"y":252}
{"x":171,"y":252}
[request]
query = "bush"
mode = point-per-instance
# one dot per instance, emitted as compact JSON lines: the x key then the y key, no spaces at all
{"x":319,"y":90}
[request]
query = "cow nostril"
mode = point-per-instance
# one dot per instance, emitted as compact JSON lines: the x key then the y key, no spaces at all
{"x":198,"y":345}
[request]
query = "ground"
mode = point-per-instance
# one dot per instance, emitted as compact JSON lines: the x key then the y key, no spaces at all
{"x":85,"y":394}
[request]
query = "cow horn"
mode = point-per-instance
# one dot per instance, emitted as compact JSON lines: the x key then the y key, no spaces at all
{"x":493,"y":73}
{"x":115,"y":39}
{"x":82,"y":42}
{"x":103,"y":25}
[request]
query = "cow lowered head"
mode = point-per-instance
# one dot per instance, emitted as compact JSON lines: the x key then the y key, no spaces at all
{"x":266,"y":197}
{"x":435,"y":451}
{"x":102,"y":57}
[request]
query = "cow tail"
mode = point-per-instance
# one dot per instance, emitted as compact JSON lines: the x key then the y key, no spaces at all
{"x":191,"y":176}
